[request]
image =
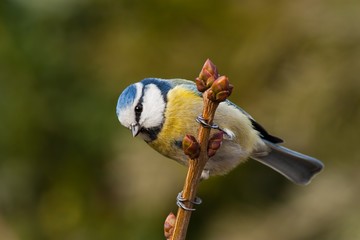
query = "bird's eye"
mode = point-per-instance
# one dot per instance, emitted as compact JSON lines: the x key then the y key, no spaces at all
{"x":138,"y":108}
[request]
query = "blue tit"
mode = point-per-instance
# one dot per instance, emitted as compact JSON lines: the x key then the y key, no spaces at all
{"x":162,"y":111}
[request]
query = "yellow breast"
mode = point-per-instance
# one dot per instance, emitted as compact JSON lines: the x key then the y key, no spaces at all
{"x":182,"y":108}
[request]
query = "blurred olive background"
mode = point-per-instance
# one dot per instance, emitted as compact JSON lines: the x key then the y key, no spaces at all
{"x":68,"y":170}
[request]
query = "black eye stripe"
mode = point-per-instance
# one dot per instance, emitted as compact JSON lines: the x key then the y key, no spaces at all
{"x":138,"y":110}
{"x":139,"y":107}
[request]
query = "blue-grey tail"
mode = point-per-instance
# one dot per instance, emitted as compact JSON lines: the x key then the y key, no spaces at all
{"x":297,"y":167}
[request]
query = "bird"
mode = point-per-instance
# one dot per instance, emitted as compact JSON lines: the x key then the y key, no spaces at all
{"x":163,"y":111}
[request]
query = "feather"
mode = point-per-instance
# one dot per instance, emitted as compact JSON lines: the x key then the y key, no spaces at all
{"x":170,"y":108}
{"x":297,"y":167}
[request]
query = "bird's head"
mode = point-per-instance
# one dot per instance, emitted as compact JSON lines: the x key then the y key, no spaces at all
{"x":141,"y":107}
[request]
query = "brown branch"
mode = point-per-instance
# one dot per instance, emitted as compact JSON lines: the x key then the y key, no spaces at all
{"x":216,"y":89}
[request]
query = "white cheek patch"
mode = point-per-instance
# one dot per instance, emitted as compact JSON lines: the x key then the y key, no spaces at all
{"x":154,"y":107}
{"x":127,"y":114}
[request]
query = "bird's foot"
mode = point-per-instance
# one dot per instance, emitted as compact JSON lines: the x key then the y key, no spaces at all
{"x":180,"y":201}
{"x":204,"y":123}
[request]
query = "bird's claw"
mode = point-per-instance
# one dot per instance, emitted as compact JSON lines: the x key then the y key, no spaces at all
{"x":180,"y":202}
{"x":203,"y":122}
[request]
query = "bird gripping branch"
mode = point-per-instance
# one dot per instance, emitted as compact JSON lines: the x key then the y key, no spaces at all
{"x":215,"y":89}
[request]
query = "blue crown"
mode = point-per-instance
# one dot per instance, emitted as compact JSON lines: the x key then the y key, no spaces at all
{"x":126,"y":98}
{"x":163,"y":85}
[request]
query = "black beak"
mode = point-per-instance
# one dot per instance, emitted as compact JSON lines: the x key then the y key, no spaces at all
{"x":135,"y":129}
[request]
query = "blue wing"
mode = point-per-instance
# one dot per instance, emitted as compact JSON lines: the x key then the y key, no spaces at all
{"x":263,"y":133}
{"x":297,"y":167}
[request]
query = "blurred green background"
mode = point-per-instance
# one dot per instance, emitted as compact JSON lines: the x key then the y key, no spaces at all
{"x":68,"y":170}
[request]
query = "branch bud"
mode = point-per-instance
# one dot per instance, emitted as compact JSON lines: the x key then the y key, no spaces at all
{"x":215,"y":143}
{"x":191,"y":146}
{"x":207,"y":76}
{"x":220,"y":89}
{"x":169,"y":225}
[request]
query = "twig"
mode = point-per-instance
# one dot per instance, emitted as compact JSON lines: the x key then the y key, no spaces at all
{"x":215,"y":89}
